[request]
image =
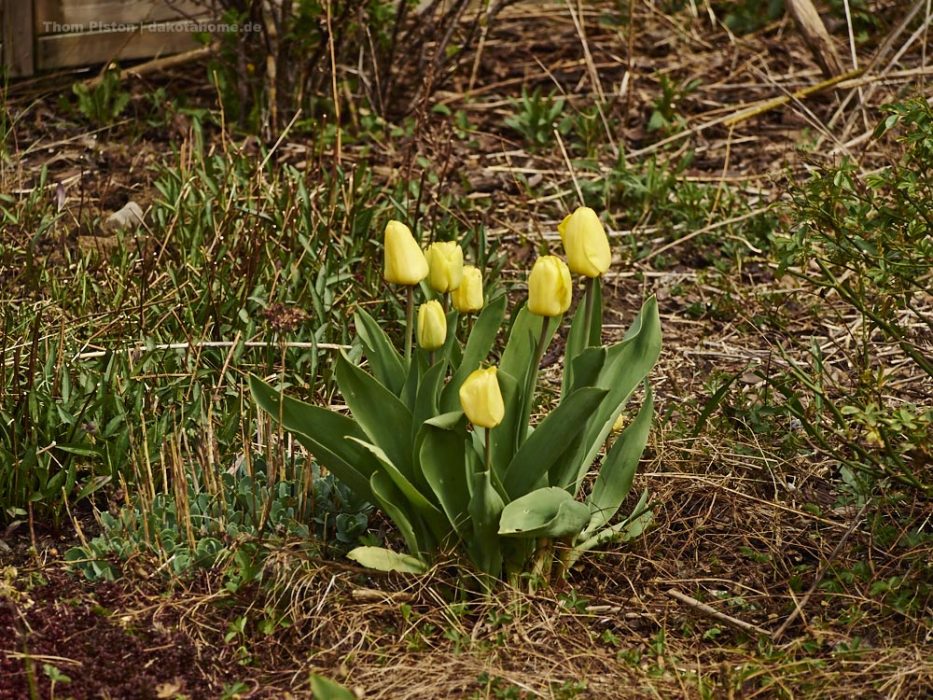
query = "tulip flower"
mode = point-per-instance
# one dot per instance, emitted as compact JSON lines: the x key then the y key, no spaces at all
{"x":549,"y":293}
{"x":404,"y":262}
{"x":432,"y":325}
{"x":549,"y":287}
{"x":588,"y":254}
{"x":468,"y":297}
{"x":585,"y":243}
{"x":481,"y":398}
{"x":445,"y":265}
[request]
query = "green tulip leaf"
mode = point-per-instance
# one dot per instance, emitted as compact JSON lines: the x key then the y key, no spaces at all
{"x":504,"y":442}
{"x":478,"y":346}
{"x":325,"y":689}
{"x":384,"y":419}
{"x":446,"y":421}
{"x":547,"y":442}
{"x":517,"y":361}
{"x":627,"y":365}
{"x":587,"y":366}
{"x":442,"y":457}
{"x":426,"y":401}
{"x":576,"y":343}
{"x":520,"y":348}
{"x":322,"y":432}
{"x":547,"y":512}
{"x":386,"y":362}
{"x":382,"y":559}
{"x":485,"y":510}
{"x":412,"y":380}
{"x":579,"y":338}
{"x":626,"y":530}
{"x":399,"y":510}
{"x":434,"y":518}
{"x":618,"y":468}
{"x":447,"y":351}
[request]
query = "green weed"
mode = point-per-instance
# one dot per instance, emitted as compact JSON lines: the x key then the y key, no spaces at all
{"x":537,"y":115}
{"x":102,"y":103}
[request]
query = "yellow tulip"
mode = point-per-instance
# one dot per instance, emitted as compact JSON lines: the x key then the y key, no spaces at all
{"x":432,"y":325}
{"x":404,"y":260}
{"x":481,"y":398}
{"x":468,"y":297}
{"x":549,"y":287}
{"x":585,"y":243}
{"x":619,"y":424}
{"x":445,"y":262}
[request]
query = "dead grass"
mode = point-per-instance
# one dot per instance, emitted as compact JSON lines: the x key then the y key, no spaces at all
{"x":740,"y":524}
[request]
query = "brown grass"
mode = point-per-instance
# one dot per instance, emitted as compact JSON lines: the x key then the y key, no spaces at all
{"x":734,"y":522}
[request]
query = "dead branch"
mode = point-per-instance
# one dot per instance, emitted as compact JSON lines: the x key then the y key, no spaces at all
{"x":815,"y":35}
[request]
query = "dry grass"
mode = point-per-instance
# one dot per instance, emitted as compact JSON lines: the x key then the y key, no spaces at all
{"x":735,"y":517}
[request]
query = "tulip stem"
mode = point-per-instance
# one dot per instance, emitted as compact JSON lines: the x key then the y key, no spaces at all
{"x":487,"y":459}
{"x":409,"y":321}
{"x":591,"y":282}
{"x":543,"y":560}
{"x":532,"y":380}
{"x":539,"y":350}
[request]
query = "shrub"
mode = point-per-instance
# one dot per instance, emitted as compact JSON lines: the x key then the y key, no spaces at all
{"x":868,"y":241}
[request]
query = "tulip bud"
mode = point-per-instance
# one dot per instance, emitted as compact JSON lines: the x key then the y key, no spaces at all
{"x":549,"y":287}
{"x":404,"y":261}
{"x":619,"y":424}
{"x":481,"y":398}
{"x":445,"y":262}
{"x":585,"y":243}
{"x":432,"y":325}
{"x":468,"y":297}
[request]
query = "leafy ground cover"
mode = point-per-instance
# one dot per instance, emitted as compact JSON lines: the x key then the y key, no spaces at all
{"x":162,"y":539}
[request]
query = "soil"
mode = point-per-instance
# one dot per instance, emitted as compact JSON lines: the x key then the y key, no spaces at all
{"x":734,"y":520}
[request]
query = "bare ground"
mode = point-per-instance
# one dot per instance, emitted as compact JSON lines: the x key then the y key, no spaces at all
{"x":735,"y":523}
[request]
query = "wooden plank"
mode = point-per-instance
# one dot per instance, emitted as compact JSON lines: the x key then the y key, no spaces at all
{"x":66,"y":50}
{"x":69,"y":16}
{"x":18,"y":46}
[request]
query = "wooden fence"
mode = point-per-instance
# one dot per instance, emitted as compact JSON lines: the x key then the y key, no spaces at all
{"x":39,"y":35}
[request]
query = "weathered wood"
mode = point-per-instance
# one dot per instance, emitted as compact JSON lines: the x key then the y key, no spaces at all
{"x":82,"y":15}
{"x":157,"y":64}
{"x":65,"y":50}
{"x":18,"y":37}
{"x":815,"y":35}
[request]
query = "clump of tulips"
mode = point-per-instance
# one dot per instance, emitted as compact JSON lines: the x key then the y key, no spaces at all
{"x":440,"y":436}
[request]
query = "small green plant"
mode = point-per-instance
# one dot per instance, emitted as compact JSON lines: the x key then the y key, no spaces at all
{"x":495,"y":687}
{"x":205,"y":529}
{"x":504,"y":494}
{"x":665,"y":117}
{"x":864,"y":17}
{"x":537,"y":116}
{"x":55,"y":676}
{"x":103,"y":102}
{"x":747,"y":16}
